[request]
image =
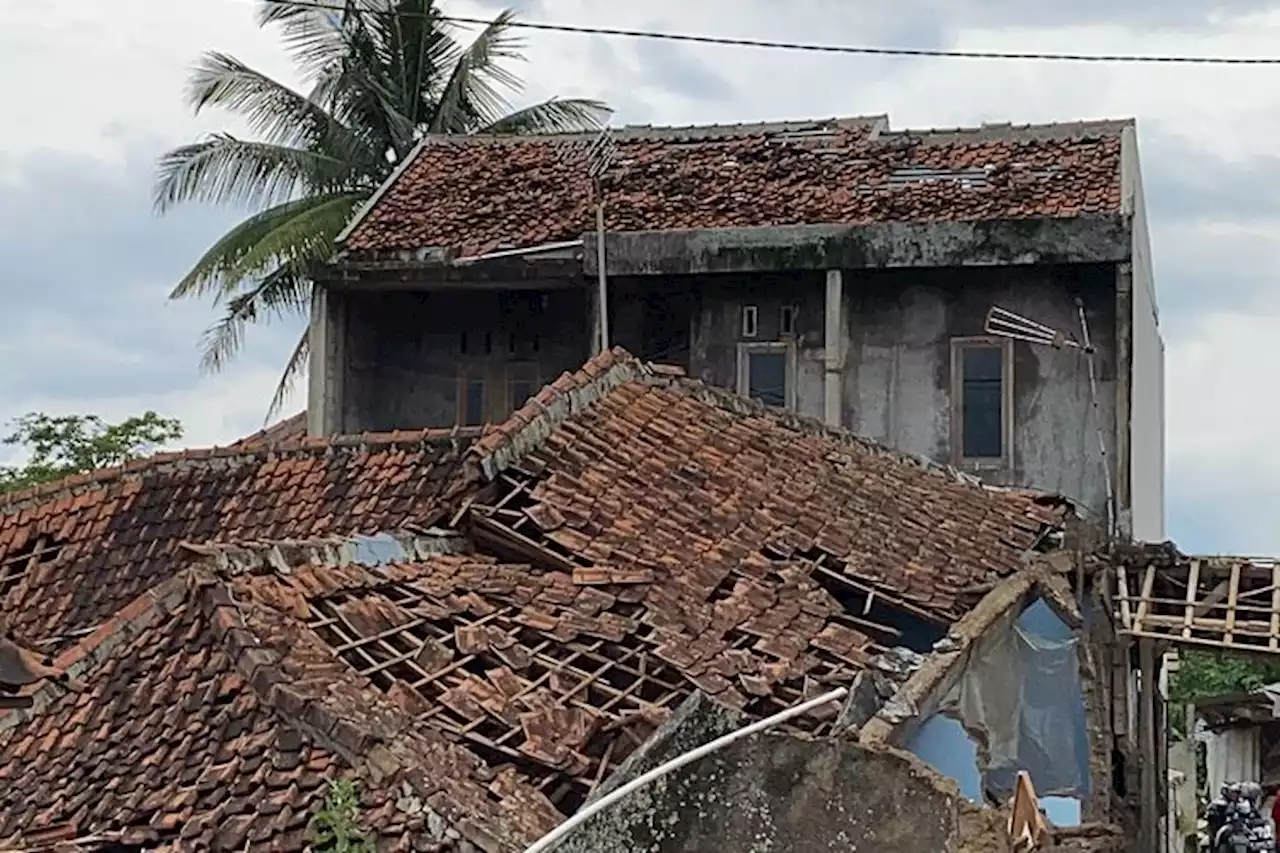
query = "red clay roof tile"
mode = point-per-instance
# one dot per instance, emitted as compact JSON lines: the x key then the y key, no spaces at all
{"x":74,"y":552}
{"x":189,"y":738}
{"x":479,"y":194}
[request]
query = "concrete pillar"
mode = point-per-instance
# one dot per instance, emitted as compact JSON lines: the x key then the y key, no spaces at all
{"x":324,"y":382}
{"x":833,"y":351}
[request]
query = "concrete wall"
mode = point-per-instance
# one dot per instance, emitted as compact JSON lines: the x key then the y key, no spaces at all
{"x":717,"y":327}
{"x":1147,"y":385}
{"x":772,"y":793}
{"x":897,"y":361}
{"x":404,"y":353}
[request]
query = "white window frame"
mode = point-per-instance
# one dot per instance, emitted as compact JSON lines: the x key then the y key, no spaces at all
{"x":786,"y":348}
{"x":958,"y":347}
{"x":750,"y":321}
{"x":794,"y":311}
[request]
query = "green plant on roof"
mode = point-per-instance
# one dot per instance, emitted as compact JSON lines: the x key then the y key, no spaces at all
{"x":336,"y":827}
{"x":379,"y":75}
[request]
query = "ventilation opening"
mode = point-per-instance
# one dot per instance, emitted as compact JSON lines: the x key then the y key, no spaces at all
{"x":23,"y":562}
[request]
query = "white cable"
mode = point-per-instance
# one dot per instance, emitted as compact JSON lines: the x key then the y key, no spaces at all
{"x":555,"y":836}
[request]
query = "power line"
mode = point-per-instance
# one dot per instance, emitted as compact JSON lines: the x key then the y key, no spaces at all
{"x":810,"y":47}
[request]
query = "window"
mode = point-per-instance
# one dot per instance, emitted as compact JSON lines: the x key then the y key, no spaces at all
{"x":766,"y":373}
{"x":473,"y":403}
{"x":787,"y":320}
{"x":750,"y":321}
{"x":518,"y":393}
{"x":982,"y":399}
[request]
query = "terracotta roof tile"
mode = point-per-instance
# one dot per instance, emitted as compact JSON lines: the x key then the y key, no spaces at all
{"x":290,"y":429}
{"x":74,"y":552}
{"x":478,"y":194}
{"x":212,"y":722}
{"x":657,"y":474}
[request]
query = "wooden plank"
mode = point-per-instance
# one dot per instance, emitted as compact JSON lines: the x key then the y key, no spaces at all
{"x":1193,"y":589}
{"x":1148,"y":802}
{"x":1274,"y":642}
{"x":1232,"y":593}
{"x":1148,"y":583}
{"x":1122,"y":587}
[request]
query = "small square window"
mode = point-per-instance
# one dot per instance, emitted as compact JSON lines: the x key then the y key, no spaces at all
{"x":787,"y":320}
{"x":750,"y":321}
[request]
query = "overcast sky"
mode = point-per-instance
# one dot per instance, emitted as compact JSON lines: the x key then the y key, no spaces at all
{"x":92,"y":94}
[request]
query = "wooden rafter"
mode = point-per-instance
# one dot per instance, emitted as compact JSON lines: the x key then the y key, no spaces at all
{"x":1217,"y":602}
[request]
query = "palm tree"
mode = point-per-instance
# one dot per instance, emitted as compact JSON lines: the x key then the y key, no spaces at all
{"x":381,"y":74}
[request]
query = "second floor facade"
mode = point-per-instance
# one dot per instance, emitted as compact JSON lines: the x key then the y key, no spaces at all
{"x":878,"y":327}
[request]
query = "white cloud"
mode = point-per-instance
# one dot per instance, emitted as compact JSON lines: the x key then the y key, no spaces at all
{"x":103,"y":73}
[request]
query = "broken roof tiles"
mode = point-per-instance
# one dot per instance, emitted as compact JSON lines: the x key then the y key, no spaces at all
{"x":638,"y":473}
{"x":214,"y":721}
{"x":479,"y":194}
{"x":73,"y":553}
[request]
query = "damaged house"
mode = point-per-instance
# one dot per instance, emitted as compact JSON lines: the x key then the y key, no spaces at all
{"x":839,"y":269}
{"x":487,"y":632}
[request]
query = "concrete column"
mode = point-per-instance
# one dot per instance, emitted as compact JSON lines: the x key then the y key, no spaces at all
{"x":833,"y":351}
{"x":324,"y":381}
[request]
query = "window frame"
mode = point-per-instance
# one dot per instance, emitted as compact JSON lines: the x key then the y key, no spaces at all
{"x":786,"y":349}
{"x":958,"y":347}
{"x":750,"y":321}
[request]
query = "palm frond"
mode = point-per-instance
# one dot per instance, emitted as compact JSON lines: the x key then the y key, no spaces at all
{"x":312,"y":36}
{"x":293,"y":371}
{"x":273,"y":236}
{"x":556,"y":115}
{"x":272,"y":110}
{"x":285,"y":291}
{"x":226,"y":170}
{"x":471,"y":97}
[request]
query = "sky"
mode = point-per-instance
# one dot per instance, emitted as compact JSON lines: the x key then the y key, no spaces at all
{"x":93,"y":94}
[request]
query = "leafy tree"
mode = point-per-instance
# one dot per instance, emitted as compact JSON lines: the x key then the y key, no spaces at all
{"x":336,"y":826}
{"x":71,"y":444}
{"x":381,"y":74}
{"x":1206,"y":674}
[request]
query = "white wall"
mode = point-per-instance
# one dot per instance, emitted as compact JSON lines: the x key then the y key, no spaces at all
{"x":1147,"y":427}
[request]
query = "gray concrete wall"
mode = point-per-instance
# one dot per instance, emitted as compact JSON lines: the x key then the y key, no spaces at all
{"x":898,"y":368}
{"x":1147,"y":386}
{"x":404,"y":352}
{"x":774,"y":793}
{"x":717,"y":327}
{"x":897,"y":362}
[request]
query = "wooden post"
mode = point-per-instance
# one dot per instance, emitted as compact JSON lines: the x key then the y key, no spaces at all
{"x":1148,"y":802}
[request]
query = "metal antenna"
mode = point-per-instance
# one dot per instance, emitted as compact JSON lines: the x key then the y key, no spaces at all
{"x":1007,"y":324}
{"x":600,"y":156}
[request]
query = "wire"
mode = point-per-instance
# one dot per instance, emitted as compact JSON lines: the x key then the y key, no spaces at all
{"x":1158,"y":59}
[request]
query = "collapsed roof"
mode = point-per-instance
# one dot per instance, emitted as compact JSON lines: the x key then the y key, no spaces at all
{"x":476,"y":194}
{"x":560,"y":584}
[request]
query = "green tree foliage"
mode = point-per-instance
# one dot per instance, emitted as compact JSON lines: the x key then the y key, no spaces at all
{"x":71,"y":444}
{"x":336,"y":827}
{"x":1206,"y":674}
{"x":379,"y":74}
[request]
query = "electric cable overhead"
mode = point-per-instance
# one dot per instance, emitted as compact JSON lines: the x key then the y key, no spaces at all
{"x":811,"y":47}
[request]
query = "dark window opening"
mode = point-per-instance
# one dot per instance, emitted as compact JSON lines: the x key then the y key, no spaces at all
{"x":767,"y":377}
{"x":473,"y":406}
{"x":462,"y":343}
{"x":17,"y":565}
{"x":787,"y":322}
{"x":511,"y":343}
{"x":982,"y":402}
{"x":535,"y":343}
{"x":750,"y":321}
{"x":488,"y":343}
{"x":520,"y":391}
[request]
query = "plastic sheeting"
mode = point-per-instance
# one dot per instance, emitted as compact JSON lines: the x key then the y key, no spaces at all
{"x":1020,"y":698}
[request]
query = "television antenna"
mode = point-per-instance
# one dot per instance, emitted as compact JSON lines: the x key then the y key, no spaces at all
{"x":1007,"y":324}
{"x":600,"y":155}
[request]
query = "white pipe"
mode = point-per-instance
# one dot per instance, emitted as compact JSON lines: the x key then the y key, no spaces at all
{"x":515,"y":253}
{"x":602,"y":295}
{"x":555,"y":836}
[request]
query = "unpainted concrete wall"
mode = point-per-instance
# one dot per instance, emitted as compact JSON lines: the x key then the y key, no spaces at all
{"x":897,"y":362}
{"x":404,"y":350}
{"x":772,"y":793}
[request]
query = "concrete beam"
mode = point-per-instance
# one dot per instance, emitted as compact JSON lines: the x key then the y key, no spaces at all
{"x":1103,"y":239}
{"x":514,"y":273}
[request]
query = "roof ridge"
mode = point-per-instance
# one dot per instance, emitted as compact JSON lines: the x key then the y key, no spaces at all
{"x":571,"y":393}
{"x":17,"y":499}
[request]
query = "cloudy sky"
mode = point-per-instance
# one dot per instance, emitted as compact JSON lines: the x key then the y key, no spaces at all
{"x":92,"y":94}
